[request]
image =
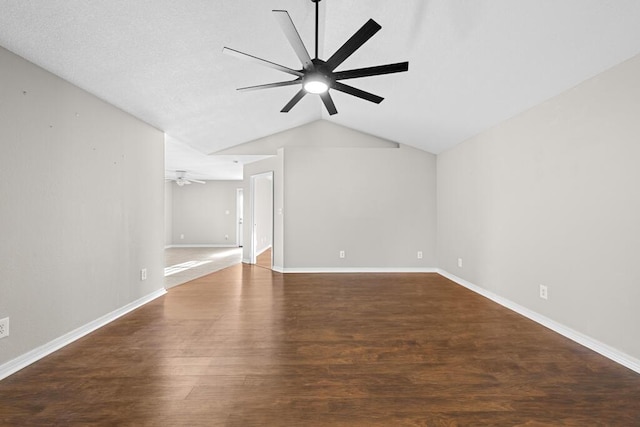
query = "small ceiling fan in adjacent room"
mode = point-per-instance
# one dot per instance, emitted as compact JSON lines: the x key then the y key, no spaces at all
{"x":318,"y":76}
{"x":181,"y":179}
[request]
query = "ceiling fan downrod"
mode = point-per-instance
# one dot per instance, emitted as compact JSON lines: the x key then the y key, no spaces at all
{"x":317,"y":9}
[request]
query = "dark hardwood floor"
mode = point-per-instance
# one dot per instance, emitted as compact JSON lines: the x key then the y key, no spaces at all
{"x":249,"y":347}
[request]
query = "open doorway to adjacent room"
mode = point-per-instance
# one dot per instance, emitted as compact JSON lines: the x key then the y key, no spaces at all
{"x":262,"y":219}
{"x":239,"y":217}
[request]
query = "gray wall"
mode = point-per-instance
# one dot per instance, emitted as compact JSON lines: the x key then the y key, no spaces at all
{"x":375,"y":200}
{"x":551,"y":197}
{"x":81,"y":211}
{"x":205,"y":214}
{"x":376,"y":204}
{"x":320,"y":133}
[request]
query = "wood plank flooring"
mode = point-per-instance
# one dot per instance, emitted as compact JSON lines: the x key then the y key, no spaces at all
{"x":249,"y":347}
{"x":264,"y":259}
{"x":185,"y":264}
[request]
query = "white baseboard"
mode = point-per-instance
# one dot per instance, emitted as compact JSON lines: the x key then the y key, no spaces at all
{"x":204,"y":245}
{"x":359,"y":270}
{"x":38,"y":353}
{"x":277,"y":268}
{"x":591,"y":343}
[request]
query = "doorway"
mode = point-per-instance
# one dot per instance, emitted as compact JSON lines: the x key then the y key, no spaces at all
{"x":239,"y":217}
{"x":262,"y":219}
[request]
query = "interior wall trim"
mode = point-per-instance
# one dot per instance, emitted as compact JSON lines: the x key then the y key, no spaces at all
{"x":38,"y":353}
{"x":360,"y":270}
{"x":582,"y":339}
{"x":203,"y":245}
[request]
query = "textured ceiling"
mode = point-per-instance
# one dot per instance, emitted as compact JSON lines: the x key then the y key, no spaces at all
{"x":472,"y":65}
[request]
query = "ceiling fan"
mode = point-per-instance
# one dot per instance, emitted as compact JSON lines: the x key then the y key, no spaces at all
{"x":318,"y":76}
{"x":182,"y":180}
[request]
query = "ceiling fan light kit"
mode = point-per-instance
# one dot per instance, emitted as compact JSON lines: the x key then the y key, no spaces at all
{"x":316,"y":85}
{"x":318,"y":76}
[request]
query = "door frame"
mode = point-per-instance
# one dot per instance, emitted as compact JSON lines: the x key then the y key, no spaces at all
{"x":239,"y":217}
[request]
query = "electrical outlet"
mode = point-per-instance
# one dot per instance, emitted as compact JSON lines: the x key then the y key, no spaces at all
{"x":342,"y":254}
{"x":143,"y":274}
{"x":4,"y":327}
{"x":544,"y":292}
{"x":181,"y":236}
{"x":419,"y":254}
{"x":460,"y":262}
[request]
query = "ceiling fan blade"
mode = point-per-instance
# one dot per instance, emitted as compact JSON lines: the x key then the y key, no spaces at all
{"x":270,"y":85}
{"x":358,"y":39}
{"x":197,"y":181}
{"x":357,"y":92}
{"x":328,"y":103}
{"x":296,"y":98}
{"x":372,"y":71}
{"x":290,"y":31}
{"x":261,"y":61}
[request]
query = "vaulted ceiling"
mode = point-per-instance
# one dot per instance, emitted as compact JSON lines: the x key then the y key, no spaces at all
{"x":472,"y":64}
